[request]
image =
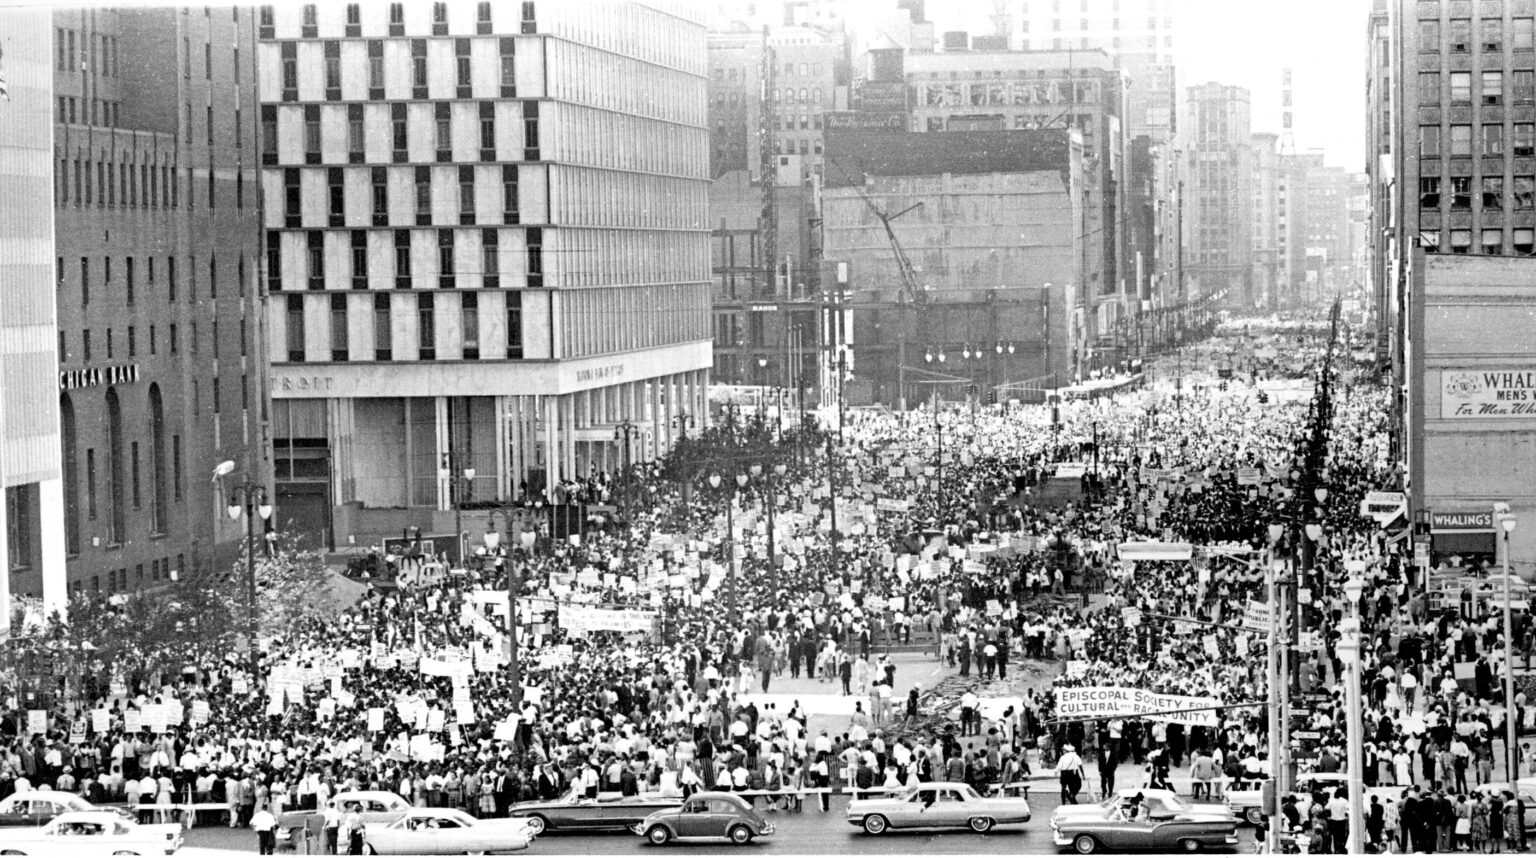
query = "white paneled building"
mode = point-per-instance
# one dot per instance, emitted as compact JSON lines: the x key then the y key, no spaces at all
{"x":486,"y":244}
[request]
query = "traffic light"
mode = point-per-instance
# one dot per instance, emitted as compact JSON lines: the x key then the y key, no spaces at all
{"x":991,"y":397}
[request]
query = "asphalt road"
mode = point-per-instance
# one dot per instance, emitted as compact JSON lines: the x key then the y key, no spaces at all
{"x":807,"y":833}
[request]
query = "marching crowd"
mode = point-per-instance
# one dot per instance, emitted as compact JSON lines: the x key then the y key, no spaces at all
{"x":952,"y":521}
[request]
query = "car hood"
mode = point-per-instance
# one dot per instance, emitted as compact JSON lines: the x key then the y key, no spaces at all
{"x":1092,"y":813}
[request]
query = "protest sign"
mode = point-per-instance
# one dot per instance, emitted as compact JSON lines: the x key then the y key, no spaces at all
{"x":1116,"y":701}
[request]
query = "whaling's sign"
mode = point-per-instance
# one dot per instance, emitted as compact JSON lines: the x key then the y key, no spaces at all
{"x":1488,"y":393}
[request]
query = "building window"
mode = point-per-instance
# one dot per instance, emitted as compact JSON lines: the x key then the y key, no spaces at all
{"x":315,"y":250}
{"x":490,"y":259}
{"x":354,"y":24}
{"x":336,"y":214}
{"x":445,"y":266}
{"x":461,"y":68}
{"x":487,"y":131}
{"x":469,"y":322}
{"x":1493,"y":87}
{"x":295,"y":328}
{"x":133,"y":475}
{"x":289,"y":53}
{"x":509,"y":192}
{"x":292,"y":198}
{"x":1493,"y":192}
{"x":530,"y":22}
{"x":311,"y":133}
{"x":338,"y":327}
{"x":426,"y":326}
{"x":1461,"y":241}
{"x":376,"y":69}
{"x":1493,"y":139}
{"x":359,"y":259}
{"x":397,"y":19}
{"x":1493,"y":242}
{"x":382,"y":333}
{"x":535,"y":237}
{"x":514,"y":325}
{"x":307,"y":25}
{"x":466,"y":195}
{"x":530,"y":131}
{"x":1461,"y":87}
{"x":18,"y":530}
{"x":423,"y":185}
{"x":442,"y":138}
{"x":355,"y":143}
{"x":1429,"y":87}
{"x":159,"y":506}
{"x":418,"y":68}
{"x":1525,"y":241}
{"x":1461,"y":140}
{"x":439,"y":19}
{"x":402,"y":259}
{"x":1525,"y":139}
{"x":1460,"y":35}
{"x":399,"y":131}
{"x":1429,"y":192}
{"x":71,"y":461}
{"x":483,"y":18}
{"x":90,"y":484}
{"x":1461,"y":192}
{"x":332,"y":71}
{"x":508,"y":68}
{"x":380,"y":197}
{"x":1492,"y":35}
{"x":1524,"y":86}
{"x":117,"y":493}
{"x":1429,"y":35}
{"x":1525,"y":192}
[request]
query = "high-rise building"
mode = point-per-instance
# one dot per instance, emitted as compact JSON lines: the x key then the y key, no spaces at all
{"x":1220,"y":234}
{"x":1266,"y":219}
{"x":487,"y":249}
{"x":31,"y":489}
{"x":1139,"y":36}
{"x":162,"y":374}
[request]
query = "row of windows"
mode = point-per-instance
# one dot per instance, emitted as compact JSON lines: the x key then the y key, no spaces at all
{"x":97,"y":53}
{"x":103,"y":112}
{"x":1490,"y":140}
{"x":1493,"y":242}
{"x":1491,"y":193}
{"x":405,"y":259}
{"x":398,"y":69}
{"x":120,"y":482}
{"x":594,"y":77}
{"x":119,"y":580}
{"x":1490,"y":91}
{"x":172,"y":343}
{"x":400,"y":133}
{"x":131,"y":273}
{"x":119,"y":181}
{"x":602,"y":321}
{"x":1489,"y":35}
{"x":421,"y":196}
{"x":1005,"y":92}
{"x":1085,"y":43}
{"x":395,"y":19}
{"x":337,"y":332}
{"x":601,"y":138}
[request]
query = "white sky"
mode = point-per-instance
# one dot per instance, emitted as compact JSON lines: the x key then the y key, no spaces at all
{"x":1247,"y":43}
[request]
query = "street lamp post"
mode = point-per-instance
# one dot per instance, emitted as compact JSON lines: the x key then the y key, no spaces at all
{"x":250,"y":499}
{"x":730,"y":537}
{"x":626,"y":432}
{"x":462,"y":479}
{"x":1351,"y":648}
{"x":777,"y":475}
{"x":514,"y":585}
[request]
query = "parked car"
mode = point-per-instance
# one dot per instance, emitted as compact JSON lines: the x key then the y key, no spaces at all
{"x":35,"y":808}
{"x":91,"y":832}
{"x":444,"y":831}
{"x":374,"y":806}
{"x":936,"y":805}
{"x":713,"y":815}
{"x":1173,"y":824}
{"x":607,"y":812}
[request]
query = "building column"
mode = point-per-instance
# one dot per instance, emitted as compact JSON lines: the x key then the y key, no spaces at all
{"x":5,"y":558}
{"x":504,"y":479}
{"x":444,"y":445}
{"x":568,"y":435}
{"x":50,"y":511}
{"x":551,"y":442}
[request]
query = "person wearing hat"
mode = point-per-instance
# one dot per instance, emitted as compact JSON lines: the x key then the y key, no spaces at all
{"x":1069,"y":768}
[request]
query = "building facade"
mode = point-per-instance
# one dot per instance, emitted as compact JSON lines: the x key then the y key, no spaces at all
{"x":1266,"y":219}
{"x":1220,"y":233}
{"x":31,"y":488}
{"x":159,"y":336}
{"x":486,"y":248}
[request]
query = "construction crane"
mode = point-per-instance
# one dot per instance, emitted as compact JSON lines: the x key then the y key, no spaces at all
{"x":910,"y":294}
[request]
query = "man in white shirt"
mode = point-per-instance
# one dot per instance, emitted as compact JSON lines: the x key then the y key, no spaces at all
{"x":1070,"y":770}
{"x":265,"y":826}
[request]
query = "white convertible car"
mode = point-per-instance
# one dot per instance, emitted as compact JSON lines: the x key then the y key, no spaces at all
{"x":442,"y":831}
{"x":91,"y":832}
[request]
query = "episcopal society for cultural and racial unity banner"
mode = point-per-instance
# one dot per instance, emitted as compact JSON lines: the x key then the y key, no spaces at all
{"x":1110,"y":701}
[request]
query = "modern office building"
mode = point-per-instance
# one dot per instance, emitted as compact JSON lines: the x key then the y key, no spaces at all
{"x":1219,"y":234}
{"x":1266,"y":218}
{"x":31,"y":489}
{"x":486,"y":246}
{"x":160,"y":351}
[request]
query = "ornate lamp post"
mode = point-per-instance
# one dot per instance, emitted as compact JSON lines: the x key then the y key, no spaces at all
{"x":730,"y":537}
{"x":249,"y":498}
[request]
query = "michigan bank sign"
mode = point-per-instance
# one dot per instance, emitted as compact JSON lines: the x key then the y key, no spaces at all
{"x":1487,"y":393}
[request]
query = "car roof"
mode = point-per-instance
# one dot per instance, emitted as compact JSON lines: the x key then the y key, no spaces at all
{"x":106,"y":817}
{"x":726,"y":795}
{"x":354,"y":795}
{"x":49,"y":795}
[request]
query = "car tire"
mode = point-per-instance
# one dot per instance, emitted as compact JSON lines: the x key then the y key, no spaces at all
{"x":537,"y":824}
{"x":1085,"y":844}
{"x":981,"y":824}
{"x":876,"y":824}
{"x":658,"y":835}
{"x":1189,"y":845}
{"x":1254,"y":816}
{"x":740,"y":835}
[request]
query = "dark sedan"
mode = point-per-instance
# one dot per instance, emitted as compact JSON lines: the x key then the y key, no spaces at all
{"x":607,"y":812}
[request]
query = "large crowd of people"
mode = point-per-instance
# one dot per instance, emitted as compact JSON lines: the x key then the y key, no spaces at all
{"x":992,"y":530}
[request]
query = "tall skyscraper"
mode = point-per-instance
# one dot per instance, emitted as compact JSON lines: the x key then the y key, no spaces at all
{"x":31,"y":546}
{"x":486,"y":247}
{"x":1220,"y":236}
{"x":159,"y":349}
